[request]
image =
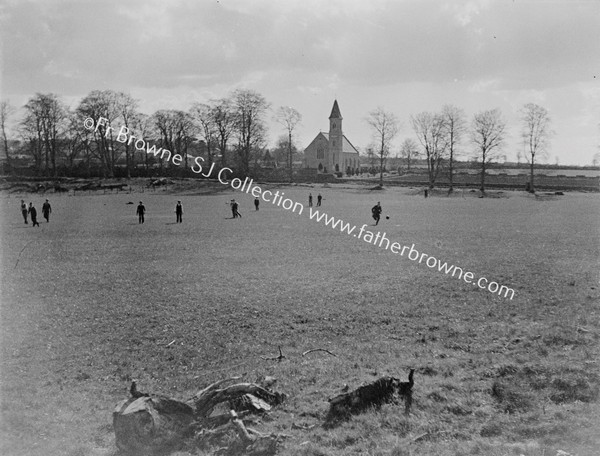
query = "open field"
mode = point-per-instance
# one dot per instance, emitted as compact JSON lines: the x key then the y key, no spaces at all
{"x":92,"y":300}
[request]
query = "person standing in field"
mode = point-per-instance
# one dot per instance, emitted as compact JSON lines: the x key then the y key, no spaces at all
{"x":141,"y":210}
{"x":46,"y":210}
{"x":310,"y":200}
{"x":256,"y":202}
{"x":376,"y":211}
{"x":179,"y":212}
{"x":319,"y":199}
{"x":33,"y":215}
{"x":234,"y":209}
{"x":24,"y":210}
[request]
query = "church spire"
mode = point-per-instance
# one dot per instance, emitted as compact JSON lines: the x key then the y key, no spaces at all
{"x":335,"y":111}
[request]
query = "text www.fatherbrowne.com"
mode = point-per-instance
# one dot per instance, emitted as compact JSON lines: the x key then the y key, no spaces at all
{"x":102,"y":126}
{"x":381,"y":240}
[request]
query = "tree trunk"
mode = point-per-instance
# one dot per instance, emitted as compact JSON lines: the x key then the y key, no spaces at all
{"x":128,"y":160}
{"x":483,"y":176}
{"x":531,"y":187}
{"x":451,"y":170}
{"x":53,"y":157}
{"x":381,"y":169}
{"x":430,"y":171}
{"x":8,"y":159}
{"x":290,"y":155}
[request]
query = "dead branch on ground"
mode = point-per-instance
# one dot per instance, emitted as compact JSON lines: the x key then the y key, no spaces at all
{"x":272,"y":358}
{"x":316,"y":350}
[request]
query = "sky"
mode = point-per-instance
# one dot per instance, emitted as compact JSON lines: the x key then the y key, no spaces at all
{"x":405,"y":56}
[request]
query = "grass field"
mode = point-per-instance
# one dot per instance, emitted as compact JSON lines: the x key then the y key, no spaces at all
{"x":93,"y":299}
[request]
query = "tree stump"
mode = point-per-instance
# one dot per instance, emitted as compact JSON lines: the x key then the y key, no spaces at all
{"x":152,"y":425}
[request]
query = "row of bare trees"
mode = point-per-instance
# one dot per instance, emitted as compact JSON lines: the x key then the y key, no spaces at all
{"x":230,"y":130}
{"x":440,"y":136}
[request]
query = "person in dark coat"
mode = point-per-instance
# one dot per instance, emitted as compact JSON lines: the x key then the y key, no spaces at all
{"x":256,"y":202}
{"x":46,"y":210}
{"x":234,"y":209}
{"x":141,"y":210}
{"x":319,"y":199}
{"x":179,"y":212}
{"x":310,"y":200}
{"x":24,"y":210}
{"x":376,"y":211}
{"x":33,"y":215}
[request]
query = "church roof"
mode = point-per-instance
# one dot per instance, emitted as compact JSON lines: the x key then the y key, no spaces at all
{"x":347,"y":146}
{"x":335,"y":111}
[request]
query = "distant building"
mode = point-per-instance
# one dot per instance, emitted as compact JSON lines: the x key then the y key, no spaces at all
{"x":332,"y":152}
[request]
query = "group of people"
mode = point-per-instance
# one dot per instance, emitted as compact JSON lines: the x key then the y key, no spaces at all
{"x":310,"y":199}
{"x":141,"y":211}
{"x":31,"y":212}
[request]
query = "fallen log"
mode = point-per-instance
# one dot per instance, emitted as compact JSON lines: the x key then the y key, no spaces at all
{"x":206,"y":400}
{"x":375,"y":394}
{"x":148,"y":425}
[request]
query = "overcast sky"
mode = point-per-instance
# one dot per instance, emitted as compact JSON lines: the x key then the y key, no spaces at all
{"x":406,"y":56}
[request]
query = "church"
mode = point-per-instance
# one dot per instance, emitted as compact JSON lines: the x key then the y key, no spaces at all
{"x":332,"y":152}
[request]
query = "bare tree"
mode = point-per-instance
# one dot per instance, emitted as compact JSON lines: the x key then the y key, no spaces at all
{"x":99,"y":105}
{"x":223,"y":117}
{"x":429,"y":128}
{"x":127,"y":107}
{"x":202,"y":114}
{"x":74,"y":141}
{"x":519,"y":157}
{"x":250,"y":108}
{"x":454,"y":129}
{"x":176,"y":130}
{"x":280,"y":153}
{"x":143,"y":124}
{"x":289,"y":118}
{"x":536,"y":134}
{"x":49,"y":115}
{"x":30,"y":129}
{"x":596,"y":159}
{"x":164,"y":122}
{"x":384,"y":127}
{"x":6,"y":110}
{"x":488,"y":134}
{"x":185,"y":132}
{"x":371,"y":158}
{"x":409,"y":150}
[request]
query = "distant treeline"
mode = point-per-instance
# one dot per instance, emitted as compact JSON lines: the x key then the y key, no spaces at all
{"x":52,"y":139}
